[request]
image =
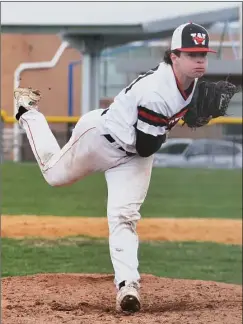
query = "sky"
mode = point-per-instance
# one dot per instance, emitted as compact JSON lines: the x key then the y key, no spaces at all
{"x":85,"y":13}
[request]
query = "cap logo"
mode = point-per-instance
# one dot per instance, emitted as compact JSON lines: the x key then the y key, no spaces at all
{"x":199,"y":38}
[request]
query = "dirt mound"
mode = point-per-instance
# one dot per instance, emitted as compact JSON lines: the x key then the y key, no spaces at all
{"x":90,"y":299}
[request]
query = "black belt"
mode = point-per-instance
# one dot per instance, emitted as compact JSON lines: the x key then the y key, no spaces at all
{"x":111,"y":139}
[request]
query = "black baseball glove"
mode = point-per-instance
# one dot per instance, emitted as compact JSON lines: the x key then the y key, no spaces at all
{"x":210,"y":100}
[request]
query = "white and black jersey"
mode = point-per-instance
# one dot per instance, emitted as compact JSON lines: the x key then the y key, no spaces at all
{"x":152,"y":104}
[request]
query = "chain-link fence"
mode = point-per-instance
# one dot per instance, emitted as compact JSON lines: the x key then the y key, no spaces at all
{"x":61,"y":132}
{"x":220,"y":142}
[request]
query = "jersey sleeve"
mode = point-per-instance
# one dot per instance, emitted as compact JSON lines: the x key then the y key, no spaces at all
{"x":152,"y":117}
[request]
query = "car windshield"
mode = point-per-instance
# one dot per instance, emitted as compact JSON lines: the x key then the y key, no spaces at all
{"x":225,"y":150}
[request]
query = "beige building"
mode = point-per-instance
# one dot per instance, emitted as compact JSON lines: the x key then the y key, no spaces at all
{"x":21,"y":48}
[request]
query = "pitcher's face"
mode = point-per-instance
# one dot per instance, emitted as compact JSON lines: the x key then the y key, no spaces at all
{"x":191,"y":64}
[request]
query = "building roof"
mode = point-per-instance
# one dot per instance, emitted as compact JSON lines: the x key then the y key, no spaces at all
{"x":115,"y":24}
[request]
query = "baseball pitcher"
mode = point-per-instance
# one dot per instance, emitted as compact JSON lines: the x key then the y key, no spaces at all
{"x":122,"y":139}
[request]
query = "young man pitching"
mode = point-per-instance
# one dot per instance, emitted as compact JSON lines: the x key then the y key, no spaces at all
{"x":121,"y":141}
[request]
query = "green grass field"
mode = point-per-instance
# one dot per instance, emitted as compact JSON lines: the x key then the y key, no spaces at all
{"x":175,"y":260}
{"x":172,"y":193}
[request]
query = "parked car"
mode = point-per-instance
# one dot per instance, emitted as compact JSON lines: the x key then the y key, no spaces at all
{"x":199,"y":153}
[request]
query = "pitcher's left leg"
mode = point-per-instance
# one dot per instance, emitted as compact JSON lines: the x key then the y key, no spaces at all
{"x":127,"y":188}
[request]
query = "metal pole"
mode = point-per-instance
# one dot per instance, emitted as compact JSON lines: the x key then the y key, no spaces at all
{"x":70,"y":85}
{"x":240,"y":30}
{"x":95,"y":81}
{"x":222,"y":39}
{"x":70,"y":99}
{"x":85,"y":93}
{"x":71,"y":66}
{"x":1,"y":139}
{"x":70,"y":89}
{"x":105,"y":66}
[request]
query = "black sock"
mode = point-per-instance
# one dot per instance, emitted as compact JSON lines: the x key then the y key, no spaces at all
{"x":121,"y":284}
{"x":21,"y":111}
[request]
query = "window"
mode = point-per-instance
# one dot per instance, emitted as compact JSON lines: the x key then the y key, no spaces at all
{"x":178,"y":148}
{"x":197,"y":149}
{"x":225,"y":150}
{"x":212,"y":149}
{"x":111,"y":81}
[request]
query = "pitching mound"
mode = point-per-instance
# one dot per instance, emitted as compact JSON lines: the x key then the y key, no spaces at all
{"x":90,"y":299}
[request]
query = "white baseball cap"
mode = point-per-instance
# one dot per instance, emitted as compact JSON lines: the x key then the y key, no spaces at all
{"x":191,"y":37}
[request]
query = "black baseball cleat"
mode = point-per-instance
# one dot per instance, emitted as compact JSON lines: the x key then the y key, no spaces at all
{"x":128,"y":299}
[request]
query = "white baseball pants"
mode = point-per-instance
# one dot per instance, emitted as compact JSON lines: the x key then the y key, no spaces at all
{"x":86,"y":152}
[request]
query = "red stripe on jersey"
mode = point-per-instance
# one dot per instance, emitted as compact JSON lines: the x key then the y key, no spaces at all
{"x":181,"y":113}
{"x":152,"y":118}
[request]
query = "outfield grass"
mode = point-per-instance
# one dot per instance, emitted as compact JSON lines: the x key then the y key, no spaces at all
{"x":205,"y":261}
{"x":172,"y":193}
